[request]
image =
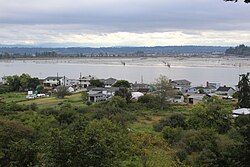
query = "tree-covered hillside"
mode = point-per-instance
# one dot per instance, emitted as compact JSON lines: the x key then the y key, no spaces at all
{"x":239,"y":50}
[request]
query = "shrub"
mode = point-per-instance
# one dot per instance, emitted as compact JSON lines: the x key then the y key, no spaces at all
{"x":33,"y":106}
{"x":172,"y":135}
{"x":174,"y":120}
{"x":4,"y":89}
{"x":149,"y":101}
{"x":61,"y":92}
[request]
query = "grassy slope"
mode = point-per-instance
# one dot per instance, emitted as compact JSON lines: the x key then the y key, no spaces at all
{"x":158,"y":153}
{"x":13,"y":97}
{"x":74,"y":99}
{"x":20,"y":98}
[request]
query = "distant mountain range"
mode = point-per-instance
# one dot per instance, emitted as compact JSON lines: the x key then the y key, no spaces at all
{"x":160,"y":50}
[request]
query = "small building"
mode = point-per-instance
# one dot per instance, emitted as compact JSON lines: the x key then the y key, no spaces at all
{"x":96,"y":96}
{"x":182,"y":85}
{"x":225,"y":91}
{"x":52,"y":81}
{"x":108,"y":82}
{"x":195,"y":98}
{"x":69,"y":82}
{"x":101,"y":94}
{"x":140,"y":87}
{"x":201,"y":90}
{"x":84,"y":82}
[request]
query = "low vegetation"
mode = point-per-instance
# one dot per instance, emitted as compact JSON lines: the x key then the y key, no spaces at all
{"x":67,"y":132}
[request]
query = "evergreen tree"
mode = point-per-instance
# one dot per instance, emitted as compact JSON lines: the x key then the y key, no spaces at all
{"x":244,"y":91}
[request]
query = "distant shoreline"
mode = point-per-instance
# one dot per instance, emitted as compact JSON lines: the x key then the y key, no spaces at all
{"x":124,"y":57}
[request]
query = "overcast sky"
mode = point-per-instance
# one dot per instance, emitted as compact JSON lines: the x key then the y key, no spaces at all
{"x":98,"y":23}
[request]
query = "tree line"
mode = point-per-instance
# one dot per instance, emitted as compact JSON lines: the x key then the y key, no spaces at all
{"x":17,"y":83}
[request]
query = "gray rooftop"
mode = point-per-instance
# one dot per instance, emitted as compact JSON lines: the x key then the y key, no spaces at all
{"x":53,"y":78}
{"x":181,"y":82}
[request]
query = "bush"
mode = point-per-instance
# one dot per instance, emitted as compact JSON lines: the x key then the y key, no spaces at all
{"x":33,"y":106}
{"x":214,"y":113}
{"x":242,"y":120}
{"x":172,"y":135}
{"x":61,"y":92}
{"x":16,"y":144}
{"x":88,"y":103}
{"x":174,"y":120}
{"x":149,"y":101}
{"x":4,"y":89}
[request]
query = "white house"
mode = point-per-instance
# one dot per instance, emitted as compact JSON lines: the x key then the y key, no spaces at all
{"x":69,"y":82}
{"x":101,"y":94}
{"x":182,"y":85}
{"x":201,"y":89}
{"x":52,"y":81}
{"x":84,"y":82}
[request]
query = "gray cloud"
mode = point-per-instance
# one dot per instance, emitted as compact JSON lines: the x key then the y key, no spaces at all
{"x":129,"y":15}
{"x":48,"y":20}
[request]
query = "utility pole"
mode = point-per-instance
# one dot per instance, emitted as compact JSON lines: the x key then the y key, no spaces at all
{"x":64,"y":80}
{"x":142,"y":79}
{"x":80,"y":80}
{"x":57,"y":79}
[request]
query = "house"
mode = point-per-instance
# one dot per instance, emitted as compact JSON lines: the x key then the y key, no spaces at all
{"x":101,"y":94}
{"x":201,"y":90}
{"x":84,"y":82}
{"x":96,"y":96}
{"x":52,"y":81}
{"x":182,"y":85}
{"x":241,"y":111}
{"x":225,"y":91}
{"x":140,"y":87}
{"x":195,"y":98}
{"x":108,"y":82}
{"x":69,"y":82}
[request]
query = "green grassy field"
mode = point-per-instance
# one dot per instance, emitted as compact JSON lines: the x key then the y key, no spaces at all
{"x":74,"y":99}
{"x":20,"y":98}
{"x":13,"y":97}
